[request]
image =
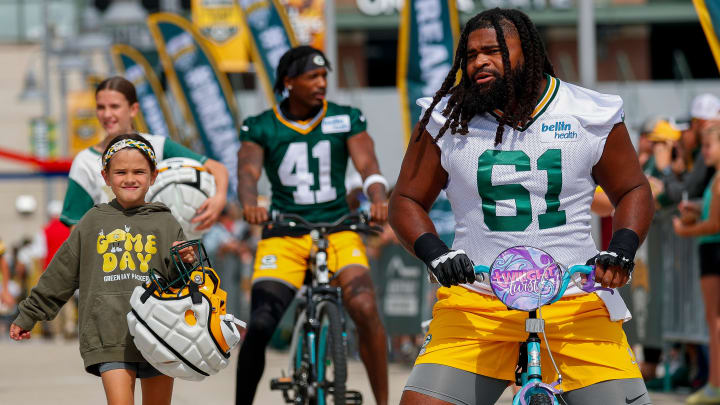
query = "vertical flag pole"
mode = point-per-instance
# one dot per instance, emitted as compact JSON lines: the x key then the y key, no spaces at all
{"x":331,"y":46}
{"x":586,"y":43}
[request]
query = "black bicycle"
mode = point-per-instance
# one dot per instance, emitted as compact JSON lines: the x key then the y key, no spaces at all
{"x":317,"y":372}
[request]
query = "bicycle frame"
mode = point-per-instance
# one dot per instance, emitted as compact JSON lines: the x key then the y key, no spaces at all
{"x":307,"y":330}
{"x":530,"y":376}
{"x":317,"y":290}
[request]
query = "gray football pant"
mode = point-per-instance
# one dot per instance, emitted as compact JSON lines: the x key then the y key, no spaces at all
{"x":464,"y":388}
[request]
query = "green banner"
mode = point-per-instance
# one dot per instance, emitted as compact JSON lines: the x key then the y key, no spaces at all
{"x":154,"y":116}
{"x":428,"y":33}
{"x":709,"y":14}
{"x":201,"y":89}
{"x":405,"y":296}
{"x":271,"y":36}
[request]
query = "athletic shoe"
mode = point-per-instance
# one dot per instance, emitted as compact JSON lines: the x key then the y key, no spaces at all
{"x":707,"y":395}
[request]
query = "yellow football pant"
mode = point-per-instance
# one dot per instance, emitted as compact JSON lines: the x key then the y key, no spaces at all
{"x":478,"y":334}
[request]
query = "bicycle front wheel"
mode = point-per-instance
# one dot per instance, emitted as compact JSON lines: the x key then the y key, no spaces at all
{"x":300,"y":361}
{"x":540,"y":399}
{"x":332,"y":360}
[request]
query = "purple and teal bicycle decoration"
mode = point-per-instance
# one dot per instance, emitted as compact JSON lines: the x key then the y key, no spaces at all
{"x":526,"y":278}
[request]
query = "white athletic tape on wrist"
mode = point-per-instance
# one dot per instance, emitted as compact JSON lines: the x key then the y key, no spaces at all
{"x":624,"y":260}
{"x":446,"y":257}
{"x":372,"y":179}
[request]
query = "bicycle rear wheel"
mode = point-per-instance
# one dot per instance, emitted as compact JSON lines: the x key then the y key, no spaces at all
{"x":332,"y":360}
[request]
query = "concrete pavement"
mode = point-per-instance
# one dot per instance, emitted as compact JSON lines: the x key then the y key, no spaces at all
{"x":42,"y":372}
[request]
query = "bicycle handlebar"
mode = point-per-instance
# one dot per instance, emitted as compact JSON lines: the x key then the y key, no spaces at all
{"x":587,"y":286}
{"x":356,"y":221}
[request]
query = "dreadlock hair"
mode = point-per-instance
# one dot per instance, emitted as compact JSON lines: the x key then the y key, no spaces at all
{"x":518,"y":108}
{"x":288,"y":58}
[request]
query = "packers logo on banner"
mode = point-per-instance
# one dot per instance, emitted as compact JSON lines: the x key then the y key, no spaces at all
{"x":83,"y":126}
{"x":270,"y":37}
{"x":154,"y":115}
{"x":308,"y":21}
{"x":219,"y":22}
{"x":428,"y":32}
{"x":202,"y":90}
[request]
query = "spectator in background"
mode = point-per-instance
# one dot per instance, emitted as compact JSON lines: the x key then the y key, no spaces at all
{"x":54,"y":233}
{"x":49,"y":240}
{"x":659,"y":130}
{"x":9,"y":292}
{"x":225,"y":245}
{"x":6,"y":298}
{"x":355,"y":197}
{"x":704,"y":107}
{"x":707,"y":228}
{"x":655,"y":130}
{"x":663,"y":135}
{"x":28,"y":258}
{"x":645,"y":146}
{"x":18,"y":269}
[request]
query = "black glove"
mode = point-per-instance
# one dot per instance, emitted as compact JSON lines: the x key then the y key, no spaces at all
{"x":620,"y":252}
{"x":450,"y":267}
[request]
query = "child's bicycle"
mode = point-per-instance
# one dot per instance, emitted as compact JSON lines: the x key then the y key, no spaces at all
{"x":318,"y":362}
{"x":526,"y":278}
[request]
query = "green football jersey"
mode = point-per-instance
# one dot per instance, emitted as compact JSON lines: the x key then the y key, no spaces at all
{"x":306,"y":161}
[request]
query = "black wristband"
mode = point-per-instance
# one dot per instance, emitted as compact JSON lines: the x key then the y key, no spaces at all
{"x":624,"y":242}
{"x":429,"y":247}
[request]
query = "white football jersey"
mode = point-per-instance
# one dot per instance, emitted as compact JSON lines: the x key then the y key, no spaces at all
{"x":534,"y":188}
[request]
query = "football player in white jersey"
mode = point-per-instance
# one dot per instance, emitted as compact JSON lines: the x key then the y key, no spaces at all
{"x":520,"y":153}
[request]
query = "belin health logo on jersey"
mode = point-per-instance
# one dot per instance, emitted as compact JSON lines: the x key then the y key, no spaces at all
{"x":558,"y":131}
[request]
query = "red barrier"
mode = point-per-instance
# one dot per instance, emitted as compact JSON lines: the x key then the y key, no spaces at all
{"x":55,"y":166}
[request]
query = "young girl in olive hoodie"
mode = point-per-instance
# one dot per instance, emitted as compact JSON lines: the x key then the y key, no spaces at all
{"x":107,"y":255}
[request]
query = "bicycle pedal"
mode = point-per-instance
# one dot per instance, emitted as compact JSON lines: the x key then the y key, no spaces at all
{"x":353,"y":398}
{"x":282,"y":384}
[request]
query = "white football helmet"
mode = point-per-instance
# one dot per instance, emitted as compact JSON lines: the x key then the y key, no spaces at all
{"x":181,"y":326}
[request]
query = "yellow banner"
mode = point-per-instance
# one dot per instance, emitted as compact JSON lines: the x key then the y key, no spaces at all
{"x":308,"y":21}
{"x":219,"y":23}
{"x":83,"y":126}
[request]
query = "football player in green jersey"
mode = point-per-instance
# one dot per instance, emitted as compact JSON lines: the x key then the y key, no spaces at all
{"x":304,"y":144}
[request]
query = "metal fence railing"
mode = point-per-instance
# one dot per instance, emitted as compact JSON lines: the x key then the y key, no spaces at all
{"x":683,"y":312}
{"x":665,"y":296}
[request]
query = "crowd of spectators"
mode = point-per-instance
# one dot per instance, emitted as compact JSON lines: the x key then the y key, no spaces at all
{"x":679,"y":159}
{"x":23,"y":263}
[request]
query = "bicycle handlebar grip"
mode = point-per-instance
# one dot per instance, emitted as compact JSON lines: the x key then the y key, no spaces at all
{"x":480,"y":272}
{"x":589,"y":284}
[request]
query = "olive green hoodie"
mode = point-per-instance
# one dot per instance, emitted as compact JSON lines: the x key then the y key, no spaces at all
{"x":106,"y":256}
